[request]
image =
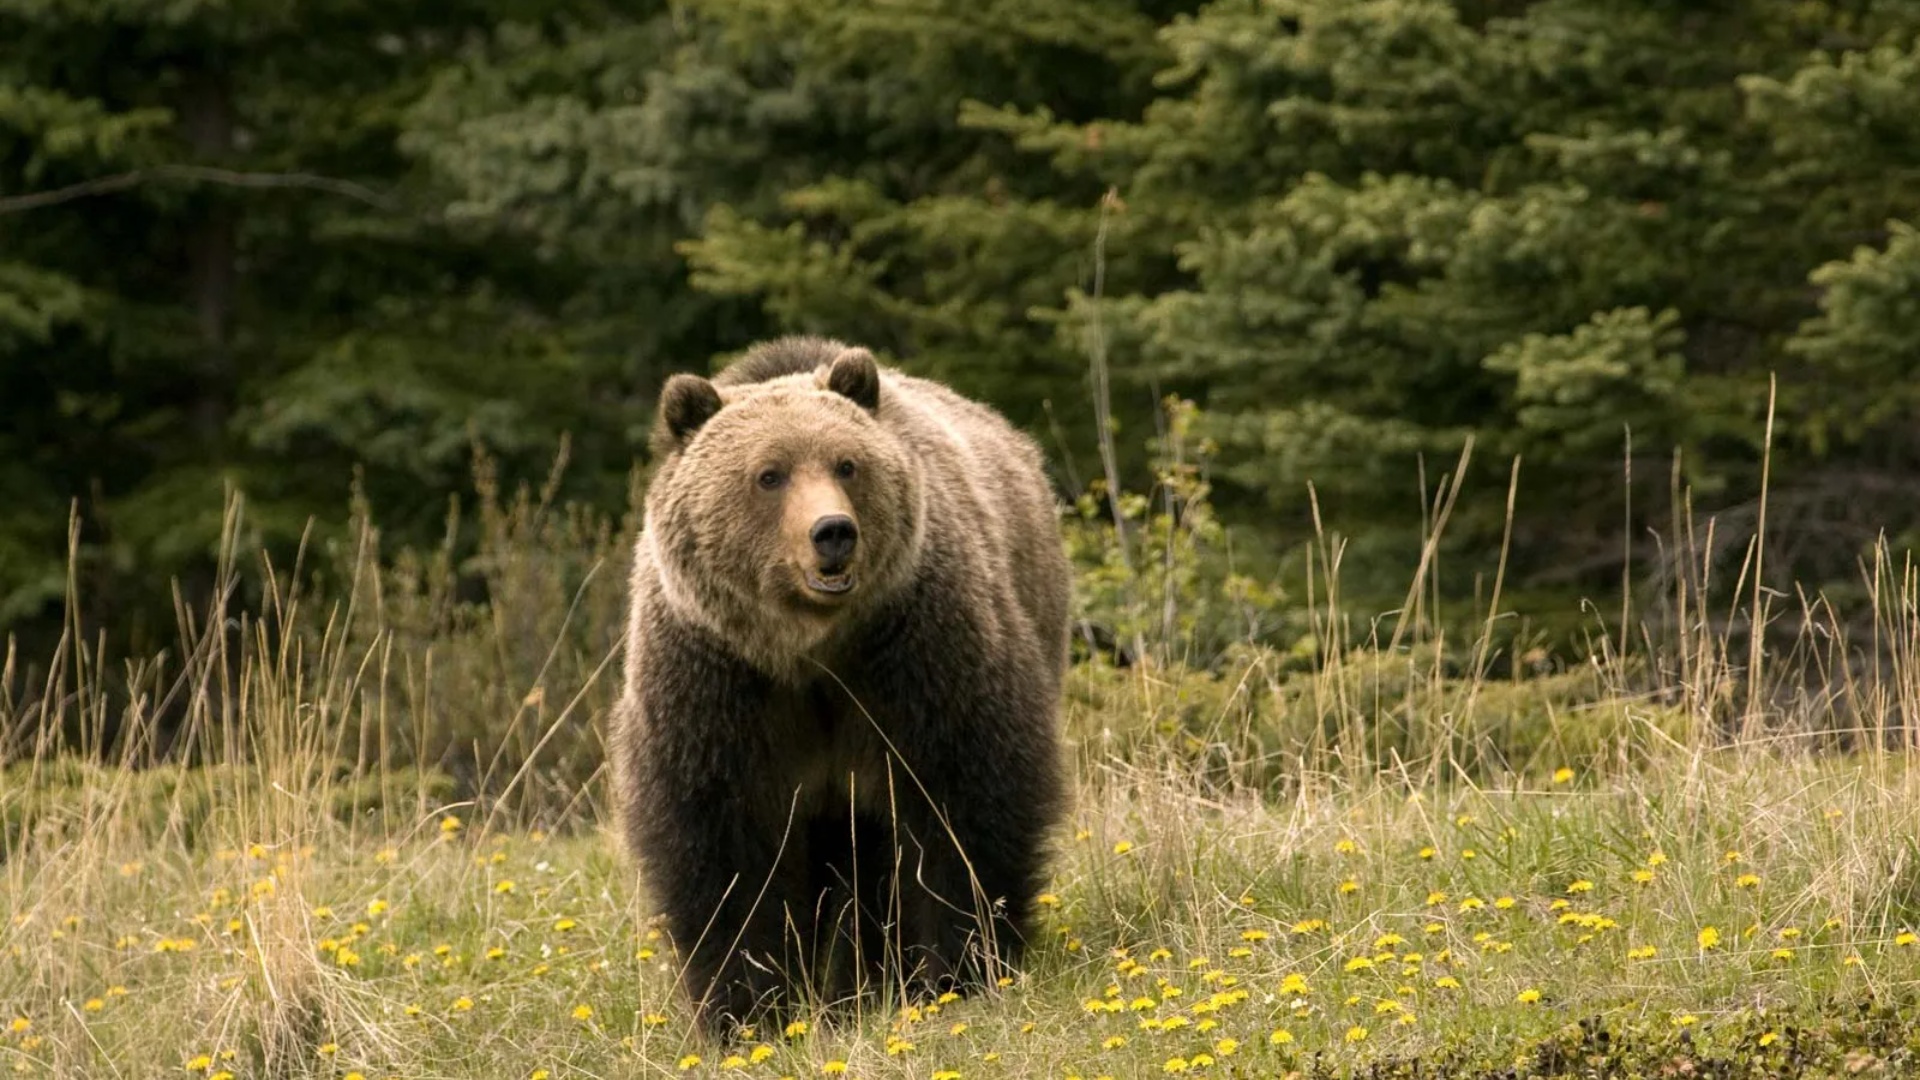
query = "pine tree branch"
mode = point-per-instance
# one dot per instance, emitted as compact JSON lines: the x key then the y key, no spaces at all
{"x":198,"y":174}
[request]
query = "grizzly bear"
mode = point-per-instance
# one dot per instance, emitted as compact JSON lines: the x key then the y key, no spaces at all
{"x":837,"y":749}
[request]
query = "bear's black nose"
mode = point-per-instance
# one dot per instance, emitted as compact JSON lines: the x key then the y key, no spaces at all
{"x":833,"y":540}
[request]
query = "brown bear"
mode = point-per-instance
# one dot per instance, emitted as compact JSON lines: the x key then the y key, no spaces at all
{"x":837,"y":750}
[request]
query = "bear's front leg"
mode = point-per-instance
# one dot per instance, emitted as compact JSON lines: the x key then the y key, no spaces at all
{"x":728,"y":880}
{"x":723,"y":858}
{"x":978,"y":821}
{"x":967,"y":882}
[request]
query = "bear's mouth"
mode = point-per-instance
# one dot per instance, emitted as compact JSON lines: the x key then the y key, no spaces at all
{"x":830,"y":584}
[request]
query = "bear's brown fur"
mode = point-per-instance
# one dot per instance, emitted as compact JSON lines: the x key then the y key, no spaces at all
{"x":836,"y":768}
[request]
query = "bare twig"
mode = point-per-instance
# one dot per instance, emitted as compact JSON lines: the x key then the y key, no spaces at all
{"x":205,"y":174}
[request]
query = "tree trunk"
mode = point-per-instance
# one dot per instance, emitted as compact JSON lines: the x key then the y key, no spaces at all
{"x":206,"y":118}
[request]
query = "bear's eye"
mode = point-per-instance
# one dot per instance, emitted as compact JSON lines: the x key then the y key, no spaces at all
{"x":844,"y":470}
{"x":772,"y":478}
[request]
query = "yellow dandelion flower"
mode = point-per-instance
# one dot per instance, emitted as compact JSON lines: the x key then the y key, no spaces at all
{"x":834,"y":1067}
{"x":1528,"y":997}
{"x":1562,"y":775}
{"x":1782,"y":954}
{"x":1123,"y":847}
{"x":796,"y":1029}
{"x":1644,"y":952}
{"x":1175,"y":1065}
{"x":583,"y":1012}
{"x":1436,"y":898}
{"x":327,"y":1049}
{"x":691,"y":1061}
{"x":1709,"y":938}
{"x":1346,"y":847}
{"x":1642,"y":877}
{"x":1114,"y":1042}
{"x":1356,"y":1034}
{"x":1447,"y":982}
{"x":1746,"y":881}
{"x":1658,"y":858}
{"x":463,"y":1004}
{"x":376,"y":907}
{"x":1350,"y":886}
{"x":1851,"y":961}
{"x":1769,"y":1038}
{"x":1685,"y":1020}
{"x":1581,"y":886}
{"x":564,"y":925}
{"x":199,"y":1063}
{"x":946,"y":1074}
{"x":1253,"y":935}
{"x":759,"y":1054}
{"x":1360,"y":963}
{"x":1047,"y":899}
{"x":1280,"y":1037}
{"x":1200,"y":1061}
{"x":1905,"y":938}
{"x":450,"y":824}
{"x":958,"y":1029}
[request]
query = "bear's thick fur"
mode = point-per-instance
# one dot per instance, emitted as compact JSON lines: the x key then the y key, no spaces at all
{"x":839,"y":767}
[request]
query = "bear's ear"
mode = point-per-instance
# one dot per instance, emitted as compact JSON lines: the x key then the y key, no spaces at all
{"x":856,"y":377}
{"x":686,"y":402}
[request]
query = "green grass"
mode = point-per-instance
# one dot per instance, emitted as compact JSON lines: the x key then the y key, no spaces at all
{"x":1185,"y":931}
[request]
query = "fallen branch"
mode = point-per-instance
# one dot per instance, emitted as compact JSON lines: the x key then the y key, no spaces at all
{"x":194,"y":173}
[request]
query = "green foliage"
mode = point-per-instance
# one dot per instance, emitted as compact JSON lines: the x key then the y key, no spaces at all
{"x":264,"y":249}
{"x":1867,"y":337}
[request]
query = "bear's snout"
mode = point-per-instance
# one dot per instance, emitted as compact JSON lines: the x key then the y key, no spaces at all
{"x":834,"y":537}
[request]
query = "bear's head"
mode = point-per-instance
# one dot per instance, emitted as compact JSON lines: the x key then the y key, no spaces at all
{"x":782,"y":509}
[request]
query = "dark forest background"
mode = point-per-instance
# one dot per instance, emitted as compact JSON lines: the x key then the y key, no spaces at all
{"x":300,"y":250}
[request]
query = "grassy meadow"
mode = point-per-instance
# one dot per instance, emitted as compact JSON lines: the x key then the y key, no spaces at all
{"x":360,"y":834}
